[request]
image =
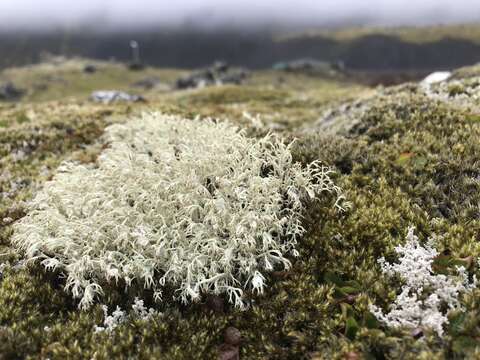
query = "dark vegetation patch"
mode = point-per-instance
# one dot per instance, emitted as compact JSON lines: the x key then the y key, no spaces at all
{"x":429,"y":48}
{"x":236,"y":94}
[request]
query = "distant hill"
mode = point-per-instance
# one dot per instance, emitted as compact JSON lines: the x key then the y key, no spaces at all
{"x":399,"y":49}
{"x":418,"y":35}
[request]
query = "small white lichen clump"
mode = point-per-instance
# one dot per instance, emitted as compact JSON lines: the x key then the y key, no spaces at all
{"x":190,"y":204}
{"x":118,"y":317}
{"x":111,"y":322}
{"x":426,"y":297}
{"x":2,"y":267}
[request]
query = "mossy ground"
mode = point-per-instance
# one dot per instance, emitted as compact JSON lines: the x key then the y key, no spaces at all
{"x":406,"y":161}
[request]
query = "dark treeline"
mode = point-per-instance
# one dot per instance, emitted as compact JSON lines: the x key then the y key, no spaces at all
{"x":191,"y":49}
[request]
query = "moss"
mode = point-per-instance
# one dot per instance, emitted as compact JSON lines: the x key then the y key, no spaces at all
{"x":410,"y":166}
{"x":455,"y":89}
{"x":66,"y":79}
{"x":405,"y":160}
{"x":236,"y":94}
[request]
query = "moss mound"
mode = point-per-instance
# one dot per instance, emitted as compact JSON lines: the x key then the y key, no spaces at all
{"x":406,"y":159}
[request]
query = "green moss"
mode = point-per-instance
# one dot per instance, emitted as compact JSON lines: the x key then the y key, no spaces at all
{"x":235,"y":94}
{"x":406,"y":160}
{"x":22,"y":117}
{"x":473,"y":117}
{"x":400,"y":167}
{"x":66,"y":79}
{"x":455,"y":89}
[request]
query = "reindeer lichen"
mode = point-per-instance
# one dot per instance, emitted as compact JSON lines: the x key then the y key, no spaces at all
{"x":190,"y":204}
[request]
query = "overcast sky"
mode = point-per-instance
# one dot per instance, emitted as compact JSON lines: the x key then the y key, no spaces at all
{"x":15,"y":14}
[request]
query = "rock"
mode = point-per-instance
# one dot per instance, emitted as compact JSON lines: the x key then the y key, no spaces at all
{"x":217,"y":74}
{"x":111,"y":96}
{"x":136,"y":66}
{"x":90,"y":69}
{"x":228,"y":352}
{"x":147,"y":83}
{"x":436,"y":77}
{"x":215,"y":303}
{"x":196,"y":80}
{"x":9,"y":92}
{"x":309,"y":65}
{"x":350,"y":299}
{"x":236,"y":77}
{"x":232,"y":336}
{"x":352,"y":355}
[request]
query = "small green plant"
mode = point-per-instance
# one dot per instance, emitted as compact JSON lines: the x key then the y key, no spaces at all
{"x":192,"y":204}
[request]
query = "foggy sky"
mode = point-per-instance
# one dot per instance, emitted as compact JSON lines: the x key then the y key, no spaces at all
{"x":112,"y":14}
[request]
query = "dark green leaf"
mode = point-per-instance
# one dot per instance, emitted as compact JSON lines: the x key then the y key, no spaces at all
{"x":370,"y":321}
{"x":331,"y":277}
{"x":348,"y":290}
{"x":351,"y":328}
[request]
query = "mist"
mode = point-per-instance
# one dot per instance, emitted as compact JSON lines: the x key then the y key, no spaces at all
{"x":107,"y":15}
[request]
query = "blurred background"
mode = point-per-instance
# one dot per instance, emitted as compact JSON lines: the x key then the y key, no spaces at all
{"x":384,"y":36}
